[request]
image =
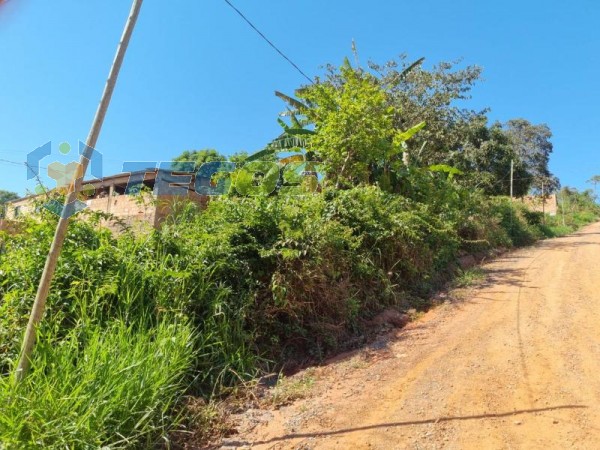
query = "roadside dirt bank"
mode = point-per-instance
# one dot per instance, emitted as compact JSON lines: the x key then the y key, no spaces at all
{"x":515,"y":364}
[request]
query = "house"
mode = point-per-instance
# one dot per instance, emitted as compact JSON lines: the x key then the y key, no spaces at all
{"x":135,"y":199}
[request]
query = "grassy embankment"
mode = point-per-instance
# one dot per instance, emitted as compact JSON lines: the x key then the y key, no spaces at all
{"x":136,"y":322}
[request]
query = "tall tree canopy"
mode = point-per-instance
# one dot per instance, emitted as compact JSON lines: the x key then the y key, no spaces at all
{"x":362,"y":123}
{"x":200,"y":157}
{"x":7,"y":196}
{"x":595,"y":180}
{"x":353,"y":124}
{"x":532,"y":145}
{"x":434,"y":96}
{"x":486,"y":159}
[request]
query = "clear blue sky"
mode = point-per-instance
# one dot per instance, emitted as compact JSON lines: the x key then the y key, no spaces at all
{"x":197,"y":76}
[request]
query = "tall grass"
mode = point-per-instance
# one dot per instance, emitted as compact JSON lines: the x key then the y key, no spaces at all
{"x":112,"y":387}
{"x":101,"y":278}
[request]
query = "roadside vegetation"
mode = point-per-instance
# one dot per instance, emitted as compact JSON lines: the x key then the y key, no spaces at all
{"x":266,"y":279}
{"x":575,"y":209}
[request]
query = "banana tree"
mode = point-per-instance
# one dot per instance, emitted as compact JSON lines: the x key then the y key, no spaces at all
{"x":275,"y":173}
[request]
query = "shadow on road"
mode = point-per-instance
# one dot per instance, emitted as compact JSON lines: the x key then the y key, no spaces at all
{"x":417,"y":422}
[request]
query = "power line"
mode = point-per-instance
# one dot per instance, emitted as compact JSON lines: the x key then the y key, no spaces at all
{"x":268,"y":41}
{"x":17,"y":163}
{"x":11,"y":162}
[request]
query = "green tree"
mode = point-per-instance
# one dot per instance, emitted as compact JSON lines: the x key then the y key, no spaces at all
{"x":239,"y":157}
{"x":532,"y":145}
{"x":354,"y":135}
{"x":486,"y":158}
{"x":434,"y":96}
{"x":354,"y":124}
{"x":200,"y":157}
{"x":573,"y":201}
{"x":7,"y":196}
{"x":594,"y":181}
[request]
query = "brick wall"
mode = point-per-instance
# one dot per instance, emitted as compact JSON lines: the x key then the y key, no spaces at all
{"x":129,"y":210}
{"x":136,"y":212}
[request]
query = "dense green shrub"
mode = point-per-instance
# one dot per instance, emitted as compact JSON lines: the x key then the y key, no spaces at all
{"x":260,"y":277}
{"x":297,"y":273}
{"x":575,"y":210}
{"x":521,"y":225}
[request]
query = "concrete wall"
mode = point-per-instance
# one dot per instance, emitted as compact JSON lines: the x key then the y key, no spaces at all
{"x":550,"y":205}
{"x":19,"y":207}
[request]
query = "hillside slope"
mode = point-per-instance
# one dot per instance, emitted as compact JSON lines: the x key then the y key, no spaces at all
{"x":514,"y":365}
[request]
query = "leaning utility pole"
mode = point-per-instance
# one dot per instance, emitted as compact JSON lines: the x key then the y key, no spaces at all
{"x":74,"y":188}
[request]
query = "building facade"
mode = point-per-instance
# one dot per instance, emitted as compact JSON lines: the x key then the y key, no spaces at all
{"x":137,"y":199}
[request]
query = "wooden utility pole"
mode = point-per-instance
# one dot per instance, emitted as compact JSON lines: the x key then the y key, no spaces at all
{"x":39,"y":304}
{"x":512,"y":172}
{"x":563,"y":207}
{"x":543,"y":204}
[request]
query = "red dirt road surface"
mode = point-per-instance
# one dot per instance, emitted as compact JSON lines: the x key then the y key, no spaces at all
{"x":515,"y":364}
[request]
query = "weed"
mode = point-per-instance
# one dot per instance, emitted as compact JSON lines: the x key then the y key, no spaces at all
{"x":291,"y":389}
{"x":469,"y":277}
{"x":203,"y":422}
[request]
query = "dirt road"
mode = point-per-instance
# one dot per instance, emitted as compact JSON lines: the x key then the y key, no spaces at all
{"x":515,"y":365}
